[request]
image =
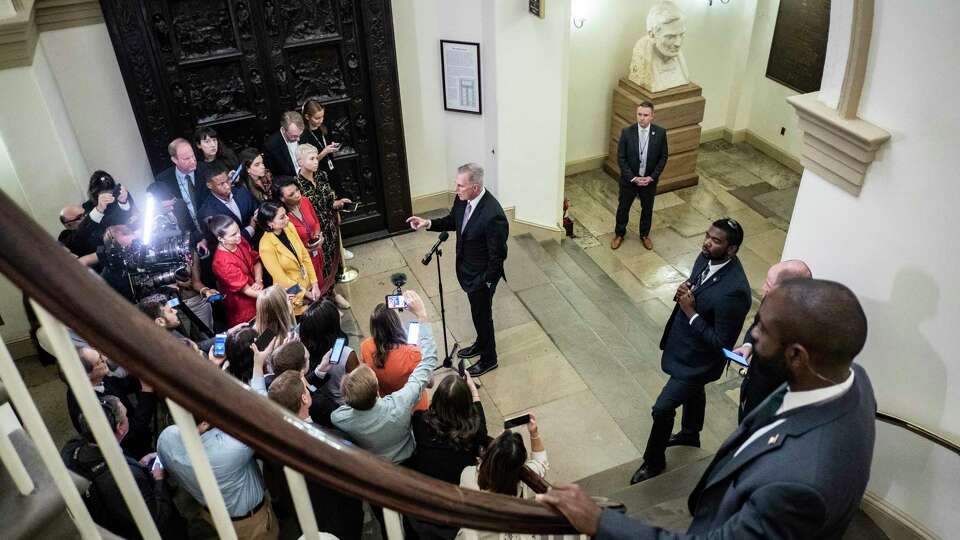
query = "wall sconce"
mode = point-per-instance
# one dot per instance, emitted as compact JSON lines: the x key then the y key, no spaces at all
{"x":578,"y":21}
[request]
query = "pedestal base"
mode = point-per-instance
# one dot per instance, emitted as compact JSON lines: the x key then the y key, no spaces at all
{"x":678,"y":110}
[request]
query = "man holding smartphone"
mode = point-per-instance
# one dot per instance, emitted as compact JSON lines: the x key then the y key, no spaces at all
{"x":482,"y":231}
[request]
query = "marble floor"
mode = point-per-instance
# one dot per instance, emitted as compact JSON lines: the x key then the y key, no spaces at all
{"x":578,"y":324}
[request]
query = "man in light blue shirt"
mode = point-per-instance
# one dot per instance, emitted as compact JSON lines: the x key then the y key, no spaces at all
{"x":382,"y":425}
{"x":234,"y":467}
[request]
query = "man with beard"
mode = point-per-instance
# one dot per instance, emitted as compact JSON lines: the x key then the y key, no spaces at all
{"x":798,"y":465}
{"x":756,"y":386}
{"x":708,"y":317}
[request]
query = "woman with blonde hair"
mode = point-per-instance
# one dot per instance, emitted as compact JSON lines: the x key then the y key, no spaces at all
{"x":285,"y":257}
{"x":314,"y":186}
{"x":274,"y":312}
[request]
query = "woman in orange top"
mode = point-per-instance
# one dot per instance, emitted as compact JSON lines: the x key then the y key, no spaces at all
{"x":388,"y":354}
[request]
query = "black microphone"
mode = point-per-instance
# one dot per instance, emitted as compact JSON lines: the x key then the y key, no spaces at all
{"x":441,"y":239}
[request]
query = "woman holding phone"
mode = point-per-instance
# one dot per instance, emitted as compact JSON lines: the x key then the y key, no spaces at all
{"x":237,"y":268}
{"x":389,"y":355}
{"x":314,"y":186}
{"x":285,"y":257}
{"x":321,"y":334}
{"x":300,"y":213}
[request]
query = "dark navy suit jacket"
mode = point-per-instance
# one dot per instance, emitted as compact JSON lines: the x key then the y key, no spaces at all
{"x":694,"y":352}
{"x":803,"y":479}
{"x":482,"y":246}
{"x":214,"y":206}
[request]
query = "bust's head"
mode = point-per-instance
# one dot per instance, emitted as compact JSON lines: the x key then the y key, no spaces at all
{"x":666,"y":27}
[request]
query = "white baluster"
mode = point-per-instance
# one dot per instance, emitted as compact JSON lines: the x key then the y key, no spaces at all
{"x":301,"y":502}
{"x":76,"y":376}
{"x":393,"y":523}
{"x":205,"y":477}
{"x":8,"y":453}
{"x":49,"y":453}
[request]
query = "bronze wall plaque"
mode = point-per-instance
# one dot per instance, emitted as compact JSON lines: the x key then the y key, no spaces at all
{"x":799,"y":44}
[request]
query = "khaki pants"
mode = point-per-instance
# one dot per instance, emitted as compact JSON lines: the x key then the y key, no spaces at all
{"x":262,"y":525}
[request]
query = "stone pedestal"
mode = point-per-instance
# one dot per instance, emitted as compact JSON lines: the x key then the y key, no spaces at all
{"x":678,"y":110}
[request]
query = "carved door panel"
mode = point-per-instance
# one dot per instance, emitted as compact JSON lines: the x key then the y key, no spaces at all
{"x":236,"y":65}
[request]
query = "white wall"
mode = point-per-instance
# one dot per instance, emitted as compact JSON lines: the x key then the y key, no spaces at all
{"x":894,"y":246}
{"x":85,"y":69}
{"x":726,"y":49}
{"x":520,"y":137}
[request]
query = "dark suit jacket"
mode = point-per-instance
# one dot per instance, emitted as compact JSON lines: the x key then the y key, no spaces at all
{"x":482,"y":246}
{"x":803,"y":479}
{"x":165,"y":187}
{"x":214,"y":206}
{"x":693,"y":352}
{"x":628,"y":153}
{"x":277,"y":156}
{"x":756,"y":386}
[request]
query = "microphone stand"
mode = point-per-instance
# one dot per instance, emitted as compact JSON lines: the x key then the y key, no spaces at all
{"x":436,"y":249}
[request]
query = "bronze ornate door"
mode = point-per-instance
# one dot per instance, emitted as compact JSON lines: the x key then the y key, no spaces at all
{"x":236,"y":65}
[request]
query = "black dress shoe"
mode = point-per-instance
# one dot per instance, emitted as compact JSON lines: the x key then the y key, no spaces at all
{"x":481,"y":367}
{"x":684,"y":439}
{"x":469,"y":352}
{"x":646,"y":472}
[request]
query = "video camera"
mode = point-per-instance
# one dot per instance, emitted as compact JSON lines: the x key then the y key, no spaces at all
{"x":151,"y":266}
{"x":397,"y":300}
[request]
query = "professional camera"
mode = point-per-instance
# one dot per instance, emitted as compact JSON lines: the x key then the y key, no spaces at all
{"x":151,"y":266}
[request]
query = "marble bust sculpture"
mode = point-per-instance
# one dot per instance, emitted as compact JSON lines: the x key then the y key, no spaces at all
{"x":657,"y":61}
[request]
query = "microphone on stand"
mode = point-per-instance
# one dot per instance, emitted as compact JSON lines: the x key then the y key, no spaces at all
{"x":441,"y":239}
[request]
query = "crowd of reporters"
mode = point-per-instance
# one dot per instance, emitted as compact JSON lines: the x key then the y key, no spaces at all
{"x":256,"y":277}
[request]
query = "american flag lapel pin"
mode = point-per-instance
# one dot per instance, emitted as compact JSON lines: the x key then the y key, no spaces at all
{"x":773,"y":439}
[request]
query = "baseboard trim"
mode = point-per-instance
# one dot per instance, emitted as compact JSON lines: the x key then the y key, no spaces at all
{"x":578,"y":166}
{"x":714,"y":134}
{"x":894,"y":522}
{"x":433,"y":201}
{"x":21,"y":348}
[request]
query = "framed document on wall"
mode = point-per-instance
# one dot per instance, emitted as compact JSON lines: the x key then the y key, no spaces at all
{"x":799,"y":44}
{"x":460,"y":65}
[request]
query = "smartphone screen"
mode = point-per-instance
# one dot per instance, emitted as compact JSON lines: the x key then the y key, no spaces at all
{"x":351,"y":207}
{"x":396,"y":301}
{"x":173,"y":302}
{"x":220,"y":346}
{"x":736,"y":358}
{"x":295,"y":289}
{"x":337,"y":351}
{"x":265,"y":338}
{"x":413,"y":333}
{"x":516,"y":421}
{"x":156,"y":463}
{"x":215,"y":297}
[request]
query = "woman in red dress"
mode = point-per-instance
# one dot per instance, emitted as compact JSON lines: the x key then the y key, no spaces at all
{"x":301,"y":214}
{"x":237,"y":268}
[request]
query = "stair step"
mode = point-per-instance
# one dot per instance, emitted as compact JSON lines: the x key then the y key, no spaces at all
{"x":42,"y":513}
{"x":616,"y":479}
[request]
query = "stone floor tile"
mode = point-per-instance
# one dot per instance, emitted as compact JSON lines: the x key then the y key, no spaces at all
{"x":685,"y":219}
{"x":580,"y":438}
{"x":780,"y":202}
{"x":666,"y":200}
{"x":427,"y":275}
{"x":523,"y":385}
{"x":508,"y":312}
{"x":421,"y":239}
{"x":652,"y":270}
{"x":768,"y":245}
{"x":668,"y":243}
{"x":657,"y":310}
{"x":753,"y":222}
{"x":376,"y":257}
{"x":521,"y":270}
{"x":604,"y":256}
{"x":755,"y":268}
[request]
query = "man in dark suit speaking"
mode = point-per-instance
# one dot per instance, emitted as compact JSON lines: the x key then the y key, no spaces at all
{"x":708,"y":318}
{"x":798,"y":465}
{"x":482,"y":231}
{"x":642,"y":155}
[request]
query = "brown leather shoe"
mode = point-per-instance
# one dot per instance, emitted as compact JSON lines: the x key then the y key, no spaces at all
{"x":647,"y":242}
{"x":615,"y":243}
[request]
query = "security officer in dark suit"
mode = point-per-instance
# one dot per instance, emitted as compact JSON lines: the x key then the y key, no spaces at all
{"x":757,"y":385}
{"x":642,"y":155}
{"x":798,"y":465}
{"x":708,"y":318}
{"x":482,"y":231}
{"x":227,"y":200}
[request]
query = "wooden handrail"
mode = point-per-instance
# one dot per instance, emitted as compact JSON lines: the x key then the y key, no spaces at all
{"x":35,"y":263}
{"x":935,"y":438}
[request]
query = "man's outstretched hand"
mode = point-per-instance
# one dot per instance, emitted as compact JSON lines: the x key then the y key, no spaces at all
{"x":574,"y":503}
{"x":417,"y":223}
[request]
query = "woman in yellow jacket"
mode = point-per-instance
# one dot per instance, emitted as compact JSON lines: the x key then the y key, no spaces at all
{"x":285,"y":257}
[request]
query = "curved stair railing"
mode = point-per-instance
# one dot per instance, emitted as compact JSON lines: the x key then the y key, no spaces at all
{"x":65,"y":293}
